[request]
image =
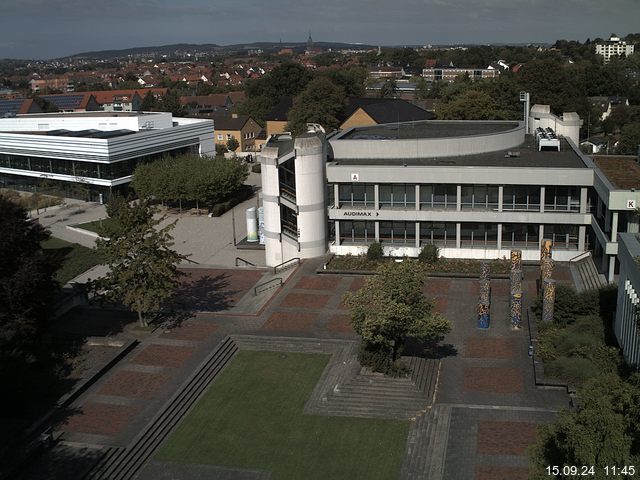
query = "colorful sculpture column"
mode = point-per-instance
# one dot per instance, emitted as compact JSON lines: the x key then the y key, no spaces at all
{"x":516,"y":260}
{"x":546,"y":272}
{"x":484,"y":302}
{"x":548,"y":300}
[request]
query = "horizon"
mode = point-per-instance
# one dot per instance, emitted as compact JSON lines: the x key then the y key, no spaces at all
{"x":42,"y":30}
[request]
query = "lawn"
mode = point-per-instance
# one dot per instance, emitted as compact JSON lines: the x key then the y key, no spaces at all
{"x":252,"y":418}
{"x":96,"y":225}
{"x":75,"y":258}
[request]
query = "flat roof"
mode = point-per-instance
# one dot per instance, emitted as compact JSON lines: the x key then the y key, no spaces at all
{"x":97,"y":113}
{"x":91,"y":133}
{"x":427,"y":129}
{"x":622,"y":171}
{"x":529,"y":157}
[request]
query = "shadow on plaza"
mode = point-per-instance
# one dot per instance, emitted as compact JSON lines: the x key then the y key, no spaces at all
{"x":204,"y":294}
{"x":433,"y":350}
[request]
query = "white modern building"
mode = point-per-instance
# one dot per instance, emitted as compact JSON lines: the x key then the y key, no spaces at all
{"x":627,"y":320}
{"x":614,"y":47}
{"x":92,"y":154}
{"x":477,"y":189}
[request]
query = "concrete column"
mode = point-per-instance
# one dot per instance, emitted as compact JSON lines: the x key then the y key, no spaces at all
{"x":458,"y":229}
{"x":583,"y":200}
{"x":376,"y":201}
{"x":582,"y":236}
{"x":614,"y":227}
{"x":542,"y":193}
{"x":458,"y":197}
{"x":377,"y":231}
{"x":417,"y":234}
{"x":336,"y":195}
{"x":417,"y":198}
{"x":337,"y":230}
{"x":500,"y":197}
{"x":540,"y":236}
{"x":612,"y":268}
{"x":499,"y":236}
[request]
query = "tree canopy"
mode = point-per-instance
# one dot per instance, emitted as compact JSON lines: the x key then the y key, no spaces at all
{"x":189,"y":178}
{"x":143,"y":270}
{"x":320,"y":102}
{"x":391,"y":307}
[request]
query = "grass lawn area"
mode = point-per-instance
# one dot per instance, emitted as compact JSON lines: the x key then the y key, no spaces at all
{"x":75,"y":258}
{"x":96,"y":225}
{"x":252,"y":418}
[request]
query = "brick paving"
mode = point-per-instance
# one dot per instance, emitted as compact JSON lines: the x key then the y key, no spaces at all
{"x":339,"y":324}
{"x":493,"y":380}
{"x":490,"y":347}
{"x":305,"y":300}
{"x":191,"y":331}
{"x":505,"y":438}
{"x":290,"y":322}
{"x":318,"y":283}
{"x":492,"y":472}
{"x":101,"y":419}
{"x":133,"y":384}
{"x":163,"y":355}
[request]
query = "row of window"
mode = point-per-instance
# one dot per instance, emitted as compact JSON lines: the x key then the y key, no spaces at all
{"x":475,"y":235}
{"x":77,"y":168}
{"x":442,"y":196}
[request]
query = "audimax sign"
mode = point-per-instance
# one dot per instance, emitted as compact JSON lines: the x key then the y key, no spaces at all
{"x":359,"y":213}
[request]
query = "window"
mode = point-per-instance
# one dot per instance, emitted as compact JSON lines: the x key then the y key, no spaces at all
{"x":479,"y":235}
{"x":443,"y":234}
{"x":398,"y":232}
{"x":220,"y":137}
{"x":357,"y":232}
{"x":438,"y":196}
{"x":521,"y":197}
{"x":289,"y":222}
{"x":397,"y":196}
{"x":562,"y":199}
{"x":356,"y":195}
{"x":484,"y":197}
{"x":563,"y":237}
{"x":229,"y":136}
{"x":520,"y":235}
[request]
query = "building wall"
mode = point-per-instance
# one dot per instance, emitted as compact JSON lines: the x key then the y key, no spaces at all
{"x":627,"y":307}
{"x":359,"y":118}
{"x":276,"y":126}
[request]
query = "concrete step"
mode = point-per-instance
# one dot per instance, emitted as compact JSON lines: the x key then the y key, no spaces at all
{"x":126,"y":463}
{"x":414,"y":466}
{"x":437,"y":442}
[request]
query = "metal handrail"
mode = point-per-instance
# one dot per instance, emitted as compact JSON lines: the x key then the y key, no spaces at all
{"x":583,"y":255}
{"x":273,"y":280}
{"x":246,"y":262}
{"x":291,"y":260}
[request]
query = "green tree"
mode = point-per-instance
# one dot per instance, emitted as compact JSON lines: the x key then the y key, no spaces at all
{"x":143,"y":267}
{"x":27,"y":288}
{"x":603,"y":431}
{"x":629,"y":139}
{"x":285,"y":80}
{"x":320,"y":102}
{"x":471,"y":105}
{"x":233,"y":144}
{"x":391,"y":307}
{"x":388,"y":89}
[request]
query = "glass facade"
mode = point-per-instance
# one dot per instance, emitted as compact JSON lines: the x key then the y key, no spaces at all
{"x":521,"y":197}
{"x":78,"y":168}
{"x":479,"y":235}
{"x":521,"y":235}
{"x":564,"y":237}
{"x":566,"y":199}
{"x":287,"y":178}
{"x":442,"y":234}
{"x":397,"y":196}
{"x":289,"y":222}
{"x":357,"y":232}
{"x":398,"y":232}
{"x":438,"y":196}
{"x":356,"y":195}
{"x":482,"y":197}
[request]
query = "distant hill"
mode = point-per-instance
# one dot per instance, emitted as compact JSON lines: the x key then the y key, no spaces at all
{"x":182,"y":48}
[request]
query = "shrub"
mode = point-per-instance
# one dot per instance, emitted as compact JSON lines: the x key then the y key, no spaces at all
{"x":375,"y":251}
{"x":380,"y":360}
{"x":574,"y":369}
{"x":429,"y":254}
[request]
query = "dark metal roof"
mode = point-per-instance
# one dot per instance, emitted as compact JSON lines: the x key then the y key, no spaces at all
{"x":386,"y":110}
{"x":427,"y":129}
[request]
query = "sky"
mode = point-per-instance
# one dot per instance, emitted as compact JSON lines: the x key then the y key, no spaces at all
{"x":44,"y":29}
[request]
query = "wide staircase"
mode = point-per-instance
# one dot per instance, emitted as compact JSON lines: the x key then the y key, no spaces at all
{"x":372,"y":395}
{"x":427,"y":445}
{"x":124,"y":463}
{"x":585,"y":274}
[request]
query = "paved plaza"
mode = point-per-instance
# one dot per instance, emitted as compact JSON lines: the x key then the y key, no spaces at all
{"x":477,"y":418}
